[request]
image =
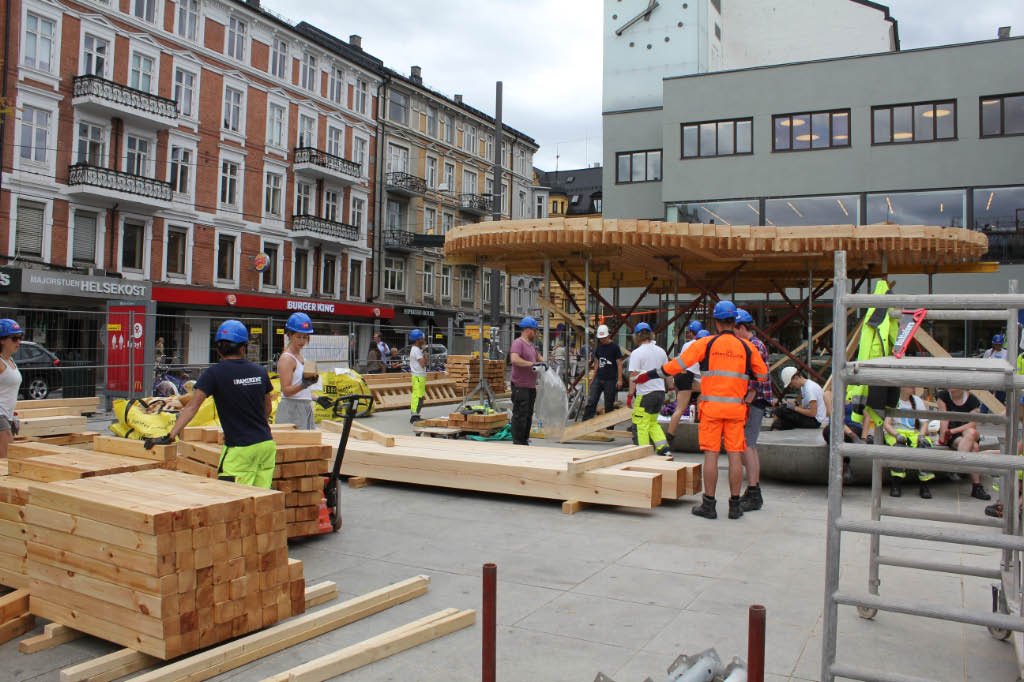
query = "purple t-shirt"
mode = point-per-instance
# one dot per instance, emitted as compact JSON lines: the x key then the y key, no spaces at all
{"x":524,"y":376}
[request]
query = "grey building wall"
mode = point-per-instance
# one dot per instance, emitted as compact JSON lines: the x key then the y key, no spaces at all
{"x":632,"y":131}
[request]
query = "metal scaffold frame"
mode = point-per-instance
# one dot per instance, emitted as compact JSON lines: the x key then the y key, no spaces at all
{"x":970,"y":373}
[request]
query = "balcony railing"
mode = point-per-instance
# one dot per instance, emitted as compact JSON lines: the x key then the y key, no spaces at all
{"x":85,"y":86}
{"x":323,"y":227}
{"x":475,"y":203}
{"x":108,"y":178}
{"x":406,"y":182}
{"x":330,"y":162}
{"x":398,"y":239}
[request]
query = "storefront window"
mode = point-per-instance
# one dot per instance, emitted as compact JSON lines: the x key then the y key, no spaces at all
{"x":835,"y":210}
{"x":944,"y":208}
{"x":999,"y":213}
{"x":720,"y":212}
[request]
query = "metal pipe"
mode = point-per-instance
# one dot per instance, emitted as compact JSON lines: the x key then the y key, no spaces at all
{"x":810,"y":315}
{"x":586,"y":324}
{"x":941,"y":567}
{"x":934,"y":301}
{"x":874,"y":545}
{"x":489,"y":617}
{"x":756,"y":620}
{"x":547,"y":308}
{"x":944,"y":517}
{"x":973,"y":315}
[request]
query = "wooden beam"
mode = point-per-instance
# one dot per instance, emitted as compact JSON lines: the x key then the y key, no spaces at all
{"x":601,"y":421}
{"x":360,"y":432}
{"x":626,"y":453}
{"x":933,"y":348}
{"x":54,"y":634}
{"x":16,"y":627}
{"x":321,"y":593}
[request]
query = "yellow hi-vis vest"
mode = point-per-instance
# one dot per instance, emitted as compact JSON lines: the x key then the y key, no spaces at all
{"x":877,"y":337}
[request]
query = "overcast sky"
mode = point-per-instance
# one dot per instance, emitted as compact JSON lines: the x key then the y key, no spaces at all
{"x":547,"y":53}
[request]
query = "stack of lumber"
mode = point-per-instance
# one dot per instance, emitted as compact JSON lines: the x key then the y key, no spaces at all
{"x":47,"y":462}
{"x":465,"y":369}
{"x":13,"y":545}
{"x":302,"y":461}
{"x":629,"y":476}
{"x":469,"y":423}
{"x":160,"y":562}
{"x":57,"y":407}
{"x":394,"y":391}
{"x":15,"y":618}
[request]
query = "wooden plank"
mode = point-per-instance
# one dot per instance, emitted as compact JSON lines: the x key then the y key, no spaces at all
{"x":358,"y":482}
{"x":321,"y":593}
{"x":601,"y":421}
{"x":134,"y":448}
{"x":296,"y":437}
{"x":625,"y":453}
{"x":360,"y":432}
{"x":16,"y":627}
{"x":88,"y":404}
{"x":386,"y":644}
{"x":573,"y":506}
{"x":54,"y":634}
{"x":71,"y":466}
{"x":13,"y":605}
{"x":45,"y":426}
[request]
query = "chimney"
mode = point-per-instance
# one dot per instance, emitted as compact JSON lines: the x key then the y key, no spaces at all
{"x":417,"y":75}
{"x":1004,"y":32}
{"x":458,"y":99}
{"x":254,"y":3}
{"x":356,"y":41}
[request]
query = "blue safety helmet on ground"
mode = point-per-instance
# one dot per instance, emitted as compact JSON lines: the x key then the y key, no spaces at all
{"x":415,"y":335}
{"x":233,"y":331}
{"x":724,"y":310}
{"x":299,"y":323}
{"x":743,"y":317}
{"x":642,"y":327}
{"x":695,"y":326}
{"x":9,"y":327}
{"x":998,"y":339}
{"x":528,"y":323}
{"x":702,"y":333}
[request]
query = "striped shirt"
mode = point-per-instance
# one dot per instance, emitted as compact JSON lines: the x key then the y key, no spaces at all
{"x":762,"y":389}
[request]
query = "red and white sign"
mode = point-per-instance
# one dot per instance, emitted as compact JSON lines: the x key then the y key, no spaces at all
{"x":126,"y":333}
{"x":218,"y":299}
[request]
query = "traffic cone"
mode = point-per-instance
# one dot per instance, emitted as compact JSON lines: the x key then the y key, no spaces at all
{"x":324,"y":517}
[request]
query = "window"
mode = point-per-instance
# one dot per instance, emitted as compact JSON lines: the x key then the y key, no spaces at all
{"x":428,"y":280}
{"x":270,"y":274}
{"x":309,"y":72}
{"x":188,"y":19}
{"x":359,"y":146}
{"x":447,"y":223}
{"x":83,"y":248}
{"x":275,"y":125}
{"x":833,"y":210}
{"x":398,"y":109}
{"x":997,"y":215}
{"x":96,"y":52}
{"x":446,"y":282}
{"x":812,"y":130}
{"x":300,"y":272}
{"x":355,"y":279}
{"x":638,"y":166}
{"x":449,"y":129}
{"x":358,"y":213}
{"x":39,"y":36}
{"x":429,"y":220}
{"x":279,"y":59}
{"x":488,"y":186}
{"x":184,"y":92}
{"x":362,"y":96}
{"x":394,"y":275}
{"x":945,"y":208}
{"x":236,"y":38}
{"x":226,"y":257}
{"x":335,"y":141}
{"x":307,"y":136}
{"x":144,"y":9}
{"x":272,"y":194}
{"x":469,"y":142}
{"x":1002,"y":115}
{"x":303,"y":198}
{"x":232,"y":109}
{"x":142,"y":72}
{"x":469,"y":182}
{"x":177,"y":249}
{"x":489,"y":147}
{"x":431,"y":172}
{"x":329,"y":277}
{"x":906,"y":123}
{"x":133,"y":241}
{"x":449,"y":176}
{"x":487,"y":288}
{"x":522,"y":205}
{"x":137,"y":156}
{"x":393,"y":215}
{"x":332,"y":204}
{"x":35,"y":133}
{"x":398,"y":159}
{"x":539,"y":210}
{"x":432,"y":121}
{"x":28,"y":231}
{"x":181,"y":169}
{"x":721,"y":212}
{"x":466,"y":285}
{"x":92,"y":145}
{"x":717,"y":138}
{"x":336,"y":86}
{"x":229,"y":183}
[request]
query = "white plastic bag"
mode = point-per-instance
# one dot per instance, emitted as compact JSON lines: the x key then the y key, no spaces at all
{"x":552,"y":407}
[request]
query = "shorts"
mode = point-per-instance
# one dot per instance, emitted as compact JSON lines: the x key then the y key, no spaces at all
{"x":752,"y":427}
{"x":298,"y":412}
{"x":652,"y":402}
{"x":683,"y":381}
{"x":712,"y":431}
{"x":7,"y":424}
{"x":881,"y":397}
{"x":249,"y":464}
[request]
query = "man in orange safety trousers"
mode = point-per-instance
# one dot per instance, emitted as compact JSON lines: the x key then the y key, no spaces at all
{"x":727,"y":363}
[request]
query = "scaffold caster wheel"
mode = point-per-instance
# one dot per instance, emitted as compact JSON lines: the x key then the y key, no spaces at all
{"x":866,"y":612}
{"x":999,"y":633}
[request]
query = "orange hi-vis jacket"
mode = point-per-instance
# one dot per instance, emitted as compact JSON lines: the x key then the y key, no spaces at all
{"x":726,"y":363}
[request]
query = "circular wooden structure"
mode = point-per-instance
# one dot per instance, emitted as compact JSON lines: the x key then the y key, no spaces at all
{"x":680,"y":256}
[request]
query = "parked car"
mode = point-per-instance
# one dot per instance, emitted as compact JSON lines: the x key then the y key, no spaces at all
{"x":40,"y":370}
{"x":438,"y":357}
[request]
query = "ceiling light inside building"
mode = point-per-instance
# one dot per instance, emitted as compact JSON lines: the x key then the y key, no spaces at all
{"x":942,"y":207}
{"x":902,"y":136}
{"x":807,"y":137}
{"x":795,"y":122}
{"x":790,"y":204}
{"x":843,"y":206}
{"x":840,"y":137}
{"x":716,"y":216}
{"x":988,"y":204}
{"x":937,"y":112}
{"x":752,"y":208}
{"x":888,"y":202}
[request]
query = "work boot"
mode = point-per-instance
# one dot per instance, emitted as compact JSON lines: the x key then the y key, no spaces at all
{"x":925,"y":492}
{"x":995,"y":510}
{"x":415,"y":418}
{"x":706,"y":508}
{"x":664,"y":451}
{"x":751,"y":499}
{"x":847,"y":472}
{"x":978,"y":492}
{"x":895,"y":487}
{"x":735,"y":511}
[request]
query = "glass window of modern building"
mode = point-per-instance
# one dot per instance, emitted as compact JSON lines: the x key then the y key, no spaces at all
{"x":832,"y":210}
{"x":921,"y":122}
{"x":1002,"y":115}
{"x":812,"y":130}
{"x":945,"y":208}
{"x":717,"y":138}
{"x":744,"y":212}
{"x":999,"y":213}
{"x":638,"y":166}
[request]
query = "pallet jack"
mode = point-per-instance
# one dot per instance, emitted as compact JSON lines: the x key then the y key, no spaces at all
{"x":346,"y":407}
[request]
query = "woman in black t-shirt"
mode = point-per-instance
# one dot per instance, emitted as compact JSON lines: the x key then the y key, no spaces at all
{"x":961,"y":436}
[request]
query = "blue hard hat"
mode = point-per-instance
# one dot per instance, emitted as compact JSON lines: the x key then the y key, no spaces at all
{"x":9,"y":327}
{"x":695,"y":326}
{"x":724,"y":310}
{"x":415,"y":335}
{"x":998,"y":338}
{"x":743,"y":317}
{"x":528,"y":323}
{"x":702,"y":333}
{"x":642,"y":327}
{"x":300,"y":323}
{"x":233,"y":331}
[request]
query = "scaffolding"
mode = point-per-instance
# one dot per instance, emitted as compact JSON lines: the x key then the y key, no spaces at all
{"x":941,"y":527}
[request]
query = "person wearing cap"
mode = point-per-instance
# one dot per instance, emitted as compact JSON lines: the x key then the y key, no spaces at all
{"x":996,"y":352}
{"x":418,"y":370}
{"x":727,"y":363}
{"x":11,"y":334}
{"x":241,"y":391}
{"x":607,"y":379}
{"x":686,"y":382}
{"x":647,"y":356}
{"x":810,"y":413}
{"x":759,"y":398}
{"x":526,"y":363}
{"x":296,"y":406}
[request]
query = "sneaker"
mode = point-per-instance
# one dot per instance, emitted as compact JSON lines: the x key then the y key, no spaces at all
{"x":415,"y":418}
{"x":734,"y":508}
{"x":664,"y":451}
{"x":925,"y":492}
{"x":751,"y":499}
{"x":978,"y":492}
{"x":995,"y":510}
{"x":895,"y":488}
{"x":706,"y":508}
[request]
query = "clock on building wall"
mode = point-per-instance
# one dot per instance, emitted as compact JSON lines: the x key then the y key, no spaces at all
{"x":626,"y":14}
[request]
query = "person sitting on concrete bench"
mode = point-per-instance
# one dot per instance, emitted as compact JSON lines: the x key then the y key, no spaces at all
{"x":961,"y":436}
{"x":810,"y":413}
{"x":908,"y":432}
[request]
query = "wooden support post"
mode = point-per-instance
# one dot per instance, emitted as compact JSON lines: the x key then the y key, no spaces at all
{"x":54,"y":634}
{"x":573,"y":506}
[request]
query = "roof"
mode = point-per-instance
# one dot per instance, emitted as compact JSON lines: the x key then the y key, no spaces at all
{"x":340,"y":47}
{"x":576,"y":181}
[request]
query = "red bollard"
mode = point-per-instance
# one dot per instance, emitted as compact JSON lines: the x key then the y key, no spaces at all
{"x":490,"y":611}
{"x":755,"y":643}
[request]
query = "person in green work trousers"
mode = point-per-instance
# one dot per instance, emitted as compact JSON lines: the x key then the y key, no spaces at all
{"x":418,"y":369}
{"x":241,"y":391}
{"x":650,"y":394}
